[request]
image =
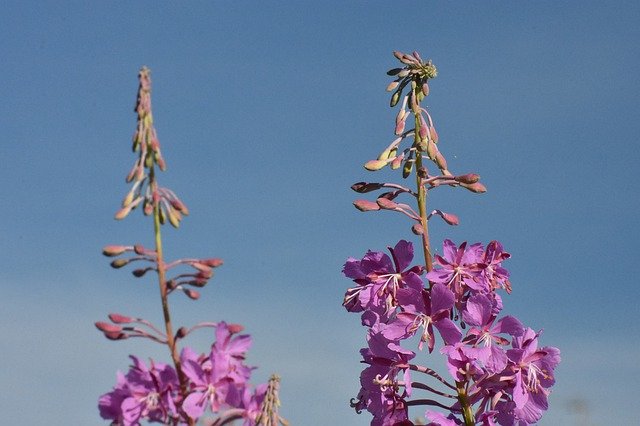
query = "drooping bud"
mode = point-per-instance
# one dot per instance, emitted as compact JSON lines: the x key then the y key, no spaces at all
{"x":366,"y":205}
{"x":434,"y":134}
{"x":397,"y":162}
{"x":182,"y":333}
{"x":119,"y":263}
{"x":449,"y":218}
{"x":468,"y":178}
{"x":417,"y":229}
{"x":393,"y":85}
{"x":386,"y":204}
{"x":477,"y":187}
{"x":235,"y":328}
{"x":408,"y":166}
{"x":174,"y":217}
{"x":111,"y":251}
{"x":440,"y":161}
{"x":201,"y":267}
{"x":364,"y":187}
{"x":139,"y":249}
{"x":384,"y":155}
{"x":121,"y":319}
{"x":425,"y":89}
{"x":394,"y":99}
{"x":213,"y":262}
{"x":191,"y":294}
{"x":394,"y":71}
{"x":375,"y":165}
{"x":140,"y":272}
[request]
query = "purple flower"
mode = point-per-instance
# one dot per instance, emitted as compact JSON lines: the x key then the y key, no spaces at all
{"x":458,"y":268}
{"x":379,"y":278}
{"x":144,"y":393}
{"x":484,"y":334}
{"x":211,"y":386}
{"x":493,"y":274}
{"x":533,"y":373}
{"x":424,"y":310}
{"x":439,"y":419}
{"x":228,"y":353}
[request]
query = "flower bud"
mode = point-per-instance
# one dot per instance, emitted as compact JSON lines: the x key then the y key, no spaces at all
{"x":417,"y":229}
{"x":434,"y":134}
{"x":425,"y":89}
{"x":119,"y":263}
{"x":121,"y":319}
{"x":111,"y":251}
{"x":394,"y":71}
{"x":235,"y":328}
{"x":179,"y":206}
{"x":440,"y":161}
{"x":105,"y":327}
{"x":123,"y":212}
{"x":201,"y":267}
{"x":139,"y":249}
{"x":477,"y":187}
{"x":174,"y":217}
{"x":394,"y":99}
{"x":140,"y":272}
{"x":182,"y":333}
{"x":450,"y":218}
{"x":364,"y":187}
{"x":213,"y":262}
{"x":386,"y":204}
{"x":408,"y":166}
{"x":392,"y":85}
{"x":375,"y":165}
{"x":191,"y":294}
{"x":384,"y":155}
{"x":366,"y":205}
{"x":468,"y":178}
{"x":397,"y":162}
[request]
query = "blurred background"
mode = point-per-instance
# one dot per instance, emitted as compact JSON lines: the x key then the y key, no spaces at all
{"x":266,"y":113}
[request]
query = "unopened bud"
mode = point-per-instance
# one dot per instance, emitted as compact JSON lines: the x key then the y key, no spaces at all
{"x":366,"y":205}
{"x":468,"y":178}
{"x":425,"y":89}
{"x":201,"y":266}
{"x":450,"y":218}
{"x":384,"y":155}
{"x":440,"y":161}
{"x":363,"y":187}
{"x":375,"y":165}
{"x":191,"y":294}
{"x":128,"y":199}
{"x":394,"y":99}
{"x":417,"y":229}
{"x":121,"y":319}
{"x":140,"y":272}
{"x":119,"y":263}
{"x":174,"y":217}
{"x":394,"y":71}
{"x":105,"y":327}
{"x":397,"y":162}
{"x":434,"y":134}
{"x":112,"y":251}
{"x":477,"y":187}
{"x":148,"y":208}
{"x":235,"y":328}
{"x":392,"y":85}
{"x":138,"y":249}
{"x":386,"y":204}
{"x":423,"y":173}
{"x":123,"y":212}
{"x":408,"y":166}
{"x":213,"y":262}
{"x":179,"y":205}
{"x":182,"y":332}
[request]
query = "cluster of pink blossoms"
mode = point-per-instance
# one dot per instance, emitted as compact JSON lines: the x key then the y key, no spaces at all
{"x":498,"y":360}
{"x":498,"y":375}
{"x":217,"y":381}
{"x":194,"y":385}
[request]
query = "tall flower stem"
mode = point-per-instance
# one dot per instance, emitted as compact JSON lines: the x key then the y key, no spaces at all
{"x":467,"y":412}
{"x":162,"y":282}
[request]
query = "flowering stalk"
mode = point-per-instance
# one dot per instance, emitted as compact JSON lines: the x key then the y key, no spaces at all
{"x":217,"y":381}
{"x":492,"y":385}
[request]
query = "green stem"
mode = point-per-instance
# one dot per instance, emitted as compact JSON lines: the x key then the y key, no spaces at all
{"x":162,"y":282}
{"x":467,"y":413}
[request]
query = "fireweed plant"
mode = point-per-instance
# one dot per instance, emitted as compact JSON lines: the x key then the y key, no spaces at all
{"x":498,"y":374}
{"x":179,"y":393}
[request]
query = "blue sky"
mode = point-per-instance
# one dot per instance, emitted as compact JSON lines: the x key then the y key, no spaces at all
{"x":266,"y":113}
